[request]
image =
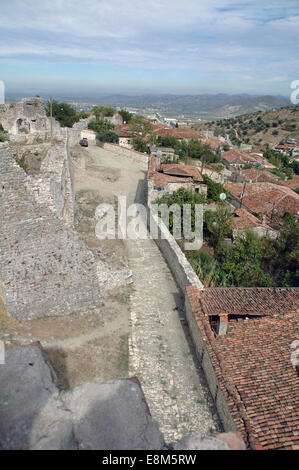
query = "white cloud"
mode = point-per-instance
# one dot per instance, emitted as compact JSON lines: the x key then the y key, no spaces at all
{"x":235,"y":37}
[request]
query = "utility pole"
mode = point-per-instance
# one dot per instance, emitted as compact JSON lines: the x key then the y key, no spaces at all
{"x":202,"y":161}
{"x":243,"y":192}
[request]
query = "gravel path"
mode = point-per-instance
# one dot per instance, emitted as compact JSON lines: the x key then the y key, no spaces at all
{"x":160,"y":347}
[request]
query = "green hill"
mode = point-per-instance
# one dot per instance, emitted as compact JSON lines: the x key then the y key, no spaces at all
{"x":260,"y":129}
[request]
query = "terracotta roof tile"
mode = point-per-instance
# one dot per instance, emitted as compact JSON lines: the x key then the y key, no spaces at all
{"x":181,"y":170}
{"x":252,"y":361}
{"x":263,"y":198}
{"x":235,"y":156}
{"x":248,"y":300}
{"x":259,"y":176}
{"x":244,"y":220}
{"x":171,"y":173}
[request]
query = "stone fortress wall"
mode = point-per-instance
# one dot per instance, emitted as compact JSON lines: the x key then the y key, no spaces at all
{"x":133,"y":155}
{"x":45,"y":268}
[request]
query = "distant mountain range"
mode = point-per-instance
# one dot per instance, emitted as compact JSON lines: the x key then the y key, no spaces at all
{"x":204,"y":106}
{"x":199,"y":106}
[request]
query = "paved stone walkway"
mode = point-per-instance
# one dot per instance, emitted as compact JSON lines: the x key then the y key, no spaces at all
{"x":160,"y":349}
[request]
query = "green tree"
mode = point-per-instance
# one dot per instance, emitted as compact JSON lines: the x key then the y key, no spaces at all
{"x":168,"y":141}
{"x":281,"y":256}
{"x":218,"y":225}
{"x":100,"y":126}
{"x":141,"y":127}
{"x":83,"y":115}
{"x":63,"y":113}
{"x":96,"y":110}
{"x":107,"y":136}
{"x":209,"y":270}
{"x":181,"y":197}
{"x":127,"y":117}
{"x":203,"y":151}
{"x":101,"y":112}
{"x":295,"y":166}
{"x":140,"y":145}
{"x":214,"y":189}
{"x":243,"y":262}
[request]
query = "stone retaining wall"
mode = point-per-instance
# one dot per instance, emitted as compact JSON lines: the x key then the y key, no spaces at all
{"x":132,"y":155}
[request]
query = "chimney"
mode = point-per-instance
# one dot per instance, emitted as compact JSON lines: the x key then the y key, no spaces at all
{"x":222,"y":324}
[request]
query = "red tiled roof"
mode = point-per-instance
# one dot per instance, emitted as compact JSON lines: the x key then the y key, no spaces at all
{"x":244,"y":220}
{"x":259,"y":176}
{"x":181,"y":170}
{"x":293,"y":183}
{"x":171,"y":173}
{"x":252,"y":360}
{"x":123,"y":130}
{"x":249,"y":300}
{"x":160,"y":179}
{"x":235,"y":156}
{"x":284,"y":147}
{"x":263,"y":198}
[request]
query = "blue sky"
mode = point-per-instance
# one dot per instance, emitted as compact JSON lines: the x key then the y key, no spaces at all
{"x":137,"y":46}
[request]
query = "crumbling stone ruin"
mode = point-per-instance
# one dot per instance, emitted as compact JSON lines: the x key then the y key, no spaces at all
{"x":26,"y":119}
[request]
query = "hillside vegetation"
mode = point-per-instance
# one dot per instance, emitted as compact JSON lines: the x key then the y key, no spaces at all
{"x":260,"y":129}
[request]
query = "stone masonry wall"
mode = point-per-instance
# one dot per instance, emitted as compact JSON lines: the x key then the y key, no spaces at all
{"x":74,"y":133}
{"x":45,"y":268}
{"x":25,"y":119}
{"x":54,"y":185}
{"x":131,"y":154}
